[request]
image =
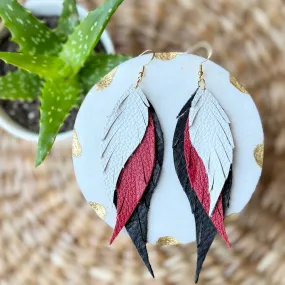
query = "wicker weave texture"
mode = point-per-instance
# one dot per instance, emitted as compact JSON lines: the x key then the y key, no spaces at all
{"x":50,"y":235}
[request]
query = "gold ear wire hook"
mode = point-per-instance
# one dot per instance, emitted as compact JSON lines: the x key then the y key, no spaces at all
{"x":141,"y":74}
{"x":205,"y":45}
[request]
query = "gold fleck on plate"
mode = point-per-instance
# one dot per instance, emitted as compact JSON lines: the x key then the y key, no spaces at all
{"x":99,"y":209}
{"x":167,"y":241}
{"x":106,"y":80}
{"x":166,"y":55}
{"x":238,"y":85}
{"x":258,"y":154}
{"x":76,"y":147}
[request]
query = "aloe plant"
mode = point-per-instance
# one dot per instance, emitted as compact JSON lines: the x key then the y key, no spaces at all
{"x":56,"y":66}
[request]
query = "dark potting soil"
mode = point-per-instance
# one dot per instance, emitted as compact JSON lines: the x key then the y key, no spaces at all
{"x":27,"y":114}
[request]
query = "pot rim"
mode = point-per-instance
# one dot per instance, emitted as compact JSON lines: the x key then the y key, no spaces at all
{"x":6,"y":122}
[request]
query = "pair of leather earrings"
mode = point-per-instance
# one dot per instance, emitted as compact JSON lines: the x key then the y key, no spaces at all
{"x":132,"y":159}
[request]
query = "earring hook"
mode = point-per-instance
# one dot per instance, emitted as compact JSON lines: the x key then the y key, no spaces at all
{"x":205,"y":45}
{"x":141,"y":74}
{"x":202,"y":45}
{"x":146,"y":52}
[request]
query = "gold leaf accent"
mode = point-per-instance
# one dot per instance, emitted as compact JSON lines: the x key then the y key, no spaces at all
{"x":258,"y":154}
{"x":167,"y":241}
{"x":99,"y":209}
{"x":106,"y":80}
{"x":166,"y":55}
{"x":76,"y":147}
{"x":238,"y":85}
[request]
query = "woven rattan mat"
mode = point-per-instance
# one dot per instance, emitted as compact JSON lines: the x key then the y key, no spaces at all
{"x":50,"y":235}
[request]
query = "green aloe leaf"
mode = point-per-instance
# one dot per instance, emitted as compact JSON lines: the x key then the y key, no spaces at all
{"x":44,"y":66}
{"x":58,"y":98}
{"x":68,"y":20}
{"x":85,"y":36}
{"x":98,"y":66}
{"x":32,"y":35}
{"x":20,"y":85}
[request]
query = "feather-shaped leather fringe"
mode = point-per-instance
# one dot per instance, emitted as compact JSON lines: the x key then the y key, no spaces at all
{"x":132,"y":154}
{"x":209,"y":134}
{"x":137,"y":225}
{"x":125,"y":128}
{"x":205,"y":229}
{"x":199,"y":182}
{"x":134,"y":178}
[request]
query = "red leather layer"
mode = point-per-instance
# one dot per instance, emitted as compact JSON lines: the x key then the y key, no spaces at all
{"x":134,"y":178}
{"x":199,"y":182}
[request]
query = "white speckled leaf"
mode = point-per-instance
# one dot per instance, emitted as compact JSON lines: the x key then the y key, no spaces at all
{"x":124,"y":131}
{"x":42,"y":65}
{"x":211,"y":136}
{"x":86,"y":35}
{"x":30,"y":33}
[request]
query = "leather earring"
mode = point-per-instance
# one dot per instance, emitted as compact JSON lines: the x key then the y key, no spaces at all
{"x":132,"y":155}
{"x":119,"y":150}
{"x":203,"y":155}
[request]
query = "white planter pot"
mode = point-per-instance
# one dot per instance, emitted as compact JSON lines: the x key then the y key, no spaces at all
{"x":47,"y":8}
